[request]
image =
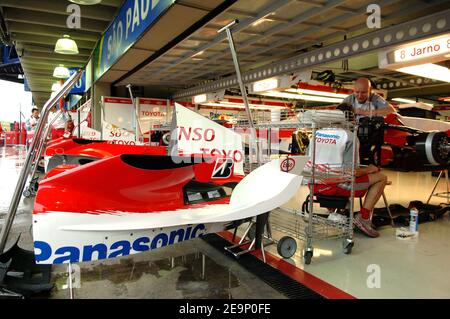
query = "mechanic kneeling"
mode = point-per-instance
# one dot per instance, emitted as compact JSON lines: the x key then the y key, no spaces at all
{"x":369,"y":180}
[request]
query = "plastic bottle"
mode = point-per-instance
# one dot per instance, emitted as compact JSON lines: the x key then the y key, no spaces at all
{"x":414,"y":220}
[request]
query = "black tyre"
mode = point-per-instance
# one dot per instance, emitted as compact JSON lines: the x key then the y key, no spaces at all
{"x":433,"y":148}
{"x":348,"y":248}
{"x":27,"y":193}
{"x":308,"y":256}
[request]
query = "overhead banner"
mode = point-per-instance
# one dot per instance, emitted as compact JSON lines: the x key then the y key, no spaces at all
{"x":133,"y":19}
{"x":80,"y":86}
{"x":431,"y":50}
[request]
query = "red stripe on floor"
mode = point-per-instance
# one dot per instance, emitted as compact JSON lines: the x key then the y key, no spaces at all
{"x":318,"y":285}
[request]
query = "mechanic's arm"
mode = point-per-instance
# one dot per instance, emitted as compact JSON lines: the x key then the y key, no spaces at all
{"x":378,"y":112}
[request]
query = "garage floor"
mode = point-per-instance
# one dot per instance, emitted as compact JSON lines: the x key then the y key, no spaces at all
{"x":384,"y":267}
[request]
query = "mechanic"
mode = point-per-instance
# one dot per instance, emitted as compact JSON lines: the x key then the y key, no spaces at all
{"x":31,"y":122}
{"x":59,"y":124}
{"x":366,"y":103}
{"x":369,"y":180}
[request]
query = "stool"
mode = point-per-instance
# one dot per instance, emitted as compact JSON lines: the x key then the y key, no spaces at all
{"x":338,"y":202}
{"x":330,"y":202}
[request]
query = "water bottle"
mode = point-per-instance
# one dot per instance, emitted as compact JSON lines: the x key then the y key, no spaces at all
{"x":414,"y":220}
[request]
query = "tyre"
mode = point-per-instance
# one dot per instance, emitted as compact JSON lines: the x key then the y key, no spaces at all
{"x":308,"y":256}
{"x":286,"y":247}
{"x":348,"y":248}
{"x":27,"y":193}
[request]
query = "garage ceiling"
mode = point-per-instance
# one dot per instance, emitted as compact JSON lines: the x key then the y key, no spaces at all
{"x":270,"y":31}
{"x":35,"y":26}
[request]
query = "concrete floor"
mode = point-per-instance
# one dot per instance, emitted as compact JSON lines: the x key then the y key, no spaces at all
{"x":406,"y":268}
{"x":189,"y":270}
{"x":193,"y":269}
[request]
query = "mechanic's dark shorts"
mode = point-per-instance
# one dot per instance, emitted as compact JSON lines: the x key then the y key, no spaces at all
{"x":344,"y":189}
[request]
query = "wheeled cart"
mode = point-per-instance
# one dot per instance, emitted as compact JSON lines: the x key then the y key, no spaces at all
{"x":305,"y":223}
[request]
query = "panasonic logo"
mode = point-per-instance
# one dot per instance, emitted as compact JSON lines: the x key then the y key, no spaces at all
{"x":322,"y":135}
{"x":44,"y":252}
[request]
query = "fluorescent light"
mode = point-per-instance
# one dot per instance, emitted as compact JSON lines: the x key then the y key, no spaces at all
{"x":198,"y":53}
{"x":61,"y":72}
{"x":263,"y":19}
{"x":398,"y":99}
{"x":320,"y":93}
{"x":303,"y":97}
{"x":199,"y":99}
{"x":86,"y":2}
{"x":265,"y":85}
{"x":66,"y":45}
{"x":241,"y":105}
{"x":428,"y":70}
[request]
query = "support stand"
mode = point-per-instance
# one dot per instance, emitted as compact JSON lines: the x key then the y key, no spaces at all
{"x":20,"y":276}
{"x":237,"y":67}
{"x":33,"y":153}
{"x":447,"y":194}
{"x":254,"y":236}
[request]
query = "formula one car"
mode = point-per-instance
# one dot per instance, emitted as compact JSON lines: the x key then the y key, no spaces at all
{"x":389,"y":143}
{"x":129,"y":199}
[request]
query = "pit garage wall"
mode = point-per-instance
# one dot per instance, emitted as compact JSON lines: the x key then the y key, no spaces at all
{"x":100,"y":90}
{"x":154,"y":112}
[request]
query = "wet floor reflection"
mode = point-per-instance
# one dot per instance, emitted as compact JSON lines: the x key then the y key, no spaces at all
{"x":11,"y":163}
{"x":194,"y":275}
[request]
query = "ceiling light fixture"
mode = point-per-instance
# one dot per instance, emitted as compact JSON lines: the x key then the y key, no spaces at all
{"x":198,"y":53}
{"x":241,"y":105}
{"x":66,"y":45}
{"x":428,"y":70}
{"x":398,"y":99}
{"x":401,"y":100}
{"x":261,"y":20}
{"x":319,"y":93}
{"x":61,"y":72}
{"x":265,"y":85}
{"x":86,"y":2}
{"x":199,"y":99}
{"x":302,"y":97}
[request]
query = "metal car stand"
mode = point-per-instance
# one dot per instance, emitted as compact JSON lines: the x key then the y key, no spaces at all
{"x":442,"y":194}
{"x":18,"y":265}
{"x":257,"y":235}
{"x":261,"y":220}
{"x":20,"y":275}
{"x":33,"y":185}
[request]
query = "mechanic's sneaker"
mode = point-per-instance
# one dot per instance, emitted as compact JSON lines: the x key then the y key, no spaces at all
{"x":337,"y":218}
{"x":365,"y":226}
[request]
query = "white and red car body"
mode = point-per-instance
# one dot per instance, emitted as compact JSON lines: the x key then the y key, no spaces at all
{"x":131,"y":199}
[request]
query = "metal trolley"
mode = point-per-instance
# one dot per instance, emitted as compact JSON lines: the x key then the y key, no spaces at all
{"x":305,"y":223}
